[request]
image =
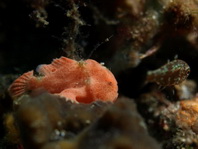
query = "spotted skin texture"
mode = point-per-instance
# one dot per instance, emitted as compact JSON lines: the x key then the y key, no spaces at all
{"x":172,"y":73}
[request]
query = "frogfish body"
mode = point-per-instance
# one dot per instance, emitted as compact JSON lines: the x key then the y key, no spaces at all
{"x":78,"y":81}
{"x":172,"y":73}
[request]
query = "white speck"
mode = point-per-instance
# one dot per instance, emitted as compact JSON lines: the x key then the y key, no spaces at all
{"x":59,"y":123}
{"x":102,"y":63}
{"x":62,"y":133}
{"x":87,"y":121}
{"x":154,"y":17}
{"x":57,"y":132}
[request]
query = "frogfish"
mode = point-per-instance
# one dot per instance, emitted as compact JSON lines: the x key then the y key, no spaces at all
{"x":172,"y":73}
{"x":78,"y":81}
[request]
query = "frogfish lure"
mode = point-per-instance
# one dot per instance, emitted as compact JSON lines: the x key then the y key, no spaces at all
{"x":77,"y":81}
{"x":172,"y":73}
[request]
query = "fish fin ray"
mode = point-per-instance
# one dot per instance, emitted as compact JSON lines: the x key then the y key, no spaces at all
{"x":18,"y":87}
{"x":56,"y":63}
{"x":62,"y":61}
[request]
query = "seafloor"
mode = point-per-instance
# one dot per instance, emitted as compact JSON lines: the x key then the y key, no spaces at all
{"x":131,"y":37}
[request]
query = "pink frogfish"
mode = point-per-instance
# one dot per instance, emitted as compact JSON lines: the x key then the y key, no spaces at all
{"x":78,"y":81}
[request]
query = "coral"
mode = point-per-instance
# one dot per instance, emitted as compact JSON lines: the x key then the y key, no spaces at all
{"x":177,"y":121}
{"x":119,"y":127}
{"x":187,"y":114}
{"x":181,"y":14}
{"x":83,"y":81}
{"x":39,"y":13}
{"x":186,"y":90}
{"x":12,"y":132}
{"x":49,"y":122}
{"x":186,"y":122}
{"x":49,"y":118}
{"x":130,"y":37}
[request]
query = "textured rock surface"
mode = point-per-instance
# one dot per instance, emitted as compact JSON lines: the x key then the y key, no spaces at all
{"x":49,"y":122}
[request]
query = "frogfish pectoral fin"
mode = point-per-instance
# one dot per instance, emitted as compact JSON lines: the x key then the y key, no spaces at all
{"x":19,"y":86}
{"x":73,"y":94}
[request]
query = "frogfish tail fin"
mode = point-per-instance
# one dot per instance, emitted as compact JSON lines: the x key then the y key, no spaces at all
{"x":19,"y":86}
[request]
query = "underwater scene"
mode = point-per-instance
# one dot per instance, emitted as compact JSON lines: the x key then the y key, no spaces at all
{"x":99,"y":74}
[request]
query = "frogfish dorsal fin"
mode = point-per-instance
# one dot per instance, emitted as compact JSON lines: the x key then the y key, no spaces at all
{"x":62,"y":61}
{"x":19,"y":86}
{"x":56,"y":64}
